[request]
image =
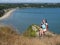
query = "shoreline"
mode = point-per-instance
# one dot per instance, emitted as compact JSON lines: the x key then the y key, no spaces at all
{"x":7,"y":14}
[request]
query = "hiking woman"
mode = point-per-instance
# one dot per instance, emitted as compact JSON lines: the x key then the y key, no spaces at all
{"x":44,"y":27}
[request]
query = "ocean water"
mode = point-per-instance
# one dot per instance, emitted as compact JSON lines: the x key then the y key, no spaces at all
{"x":22,"y":18}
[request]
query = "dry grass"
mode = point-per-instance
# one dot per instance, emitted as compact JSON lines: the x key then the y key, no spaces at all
{"x":10,"y":37}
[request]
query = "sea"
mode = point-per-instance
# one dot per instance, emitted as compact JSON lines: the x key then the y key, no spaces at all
{"x":22,"y":18}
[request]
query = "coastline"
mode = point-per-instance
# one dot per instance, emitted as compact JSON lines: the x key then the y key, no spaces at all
{"x":7,"y":14}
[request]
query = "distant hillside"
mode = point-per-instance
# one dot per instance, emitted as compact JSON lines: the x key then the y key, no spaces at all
{"x":8,"y":36}
{"x":5,"y":6}
{"x":37,"y":5}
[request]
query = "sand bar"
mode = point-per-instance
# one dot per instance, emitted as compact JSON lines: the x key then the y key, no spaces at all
{"x":7,"y":14}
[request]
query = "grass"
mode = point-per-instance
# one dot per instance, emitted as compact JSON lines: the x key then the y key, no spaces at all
{"x":8,"y":36}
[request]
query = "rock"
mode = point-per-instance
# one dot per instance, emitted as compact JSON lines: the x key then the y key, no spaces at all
{"x":50,"y":34}
{"x":33,"y":31}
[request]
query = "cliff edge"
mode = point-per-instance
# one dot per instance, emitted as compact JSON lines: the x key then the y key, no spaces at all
{"x":8,"y":36}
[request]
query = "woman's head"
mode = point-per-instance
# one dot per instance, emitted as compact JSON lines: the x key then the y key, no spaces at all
{"x":44,"y":20}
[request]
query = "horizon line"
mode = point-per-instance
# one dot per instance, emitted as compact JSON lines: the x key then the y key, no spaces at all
{"x":29,"y":2}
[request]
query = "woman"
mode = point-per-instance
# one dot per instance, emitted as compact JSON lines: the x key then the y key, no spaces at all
{"x":44,"y":27}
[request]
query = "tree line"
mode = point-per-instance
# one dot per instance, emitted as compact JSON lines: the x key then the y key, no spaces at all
{"x":4,"y":6}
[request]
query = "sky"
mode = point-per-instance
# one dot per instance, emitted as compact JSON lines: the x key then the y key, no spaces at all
{"x":29,"y":1}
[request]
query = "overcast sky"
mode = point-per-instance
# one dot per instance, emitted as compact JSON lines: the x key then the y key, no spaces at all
{"x":29,"y":1}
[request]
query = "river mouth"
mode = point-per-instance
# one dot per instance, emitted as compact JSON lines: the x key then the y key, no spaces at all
{"x":21,"y":19}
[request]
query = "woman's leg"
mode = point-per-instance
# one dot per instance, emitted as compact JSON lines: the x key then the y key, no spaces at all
{"x":44,"y":31}
{"x":41,"y":33}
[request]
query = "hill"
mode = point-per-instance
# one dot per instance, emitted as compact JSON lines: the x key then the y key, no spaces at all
{"x":8,"y":36}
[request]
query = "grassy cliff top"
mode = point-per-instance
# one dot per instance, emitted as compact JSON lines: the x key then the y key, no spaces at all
{"x":8,"y":36}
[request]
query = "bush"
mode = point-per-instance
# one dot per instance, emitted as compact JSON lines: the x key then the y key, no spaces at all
{"x":30,"y":32}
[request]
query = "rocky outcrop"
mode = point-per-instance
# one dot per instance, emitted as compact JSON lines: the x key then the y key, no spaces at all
{"x":33,"y":31}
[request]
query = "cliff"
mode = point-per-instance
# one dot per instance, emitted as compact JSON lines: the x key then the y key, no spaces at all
{"x":8,"y":36}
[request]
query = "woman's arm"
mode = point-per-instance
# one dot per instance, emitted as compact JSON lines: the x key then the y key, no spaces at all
{"x":46,"y":26}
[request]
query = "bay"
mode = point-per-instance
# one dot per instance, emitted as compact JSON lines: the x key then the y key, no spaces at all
{"x":23,"y":17}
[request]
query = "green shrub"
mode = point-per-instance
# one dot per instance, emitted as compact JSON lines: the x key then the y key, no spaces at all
{"x":29,"y":32}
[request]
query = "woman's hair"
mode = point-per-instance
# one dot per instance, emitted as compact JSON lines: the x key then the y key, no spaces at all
{"x":46,"y":20}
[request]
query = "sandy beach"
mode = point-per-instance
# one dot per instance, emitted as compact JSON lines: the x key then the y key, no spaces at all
{"x":7,"y":14}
